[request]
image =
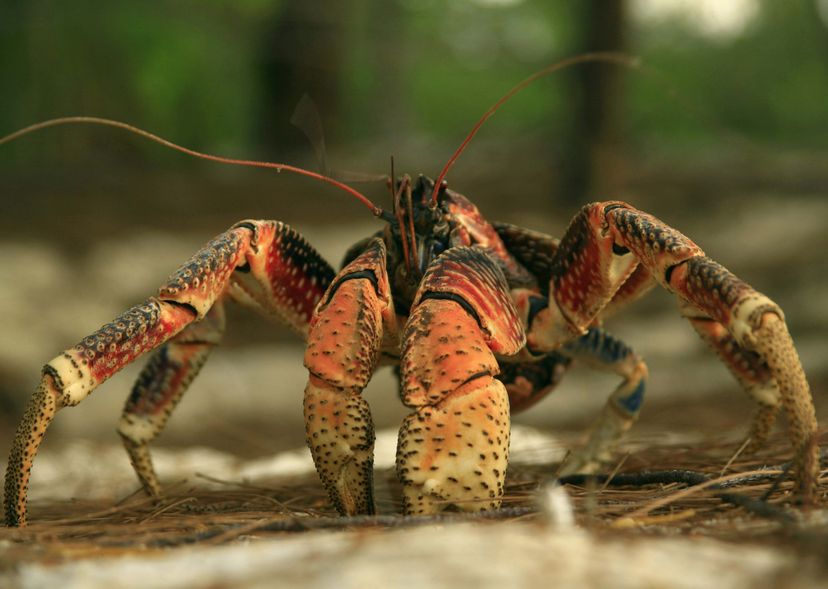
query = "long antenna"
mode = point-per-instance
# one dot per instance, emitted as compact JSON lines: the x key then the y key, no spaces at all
{"x":616,"y":58}
{"x":375,"y":210}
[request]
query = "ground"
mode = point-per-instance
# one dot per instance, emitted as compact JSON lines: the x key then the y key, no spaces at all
{"x":230,"y":522}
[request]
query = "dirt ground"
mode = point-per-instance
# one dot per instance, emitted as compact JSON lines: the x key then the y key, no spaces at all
{"x":229,"y":522}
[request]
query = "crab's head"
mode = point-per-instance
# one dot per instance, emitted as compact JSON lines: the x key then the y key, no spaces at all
{"x":419,"y":231}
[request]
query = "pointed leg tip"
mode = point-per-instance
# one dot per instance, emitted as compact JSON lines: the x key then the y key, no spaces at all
{"x":340,"y":435}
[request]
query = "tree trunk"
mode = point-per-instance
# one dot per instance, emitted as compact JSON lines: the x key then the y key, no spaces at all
{"x":593,"y":162}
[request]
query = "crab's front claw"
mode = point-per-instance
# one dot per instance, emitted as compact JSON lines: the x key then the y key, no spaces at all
{"x":340,"y":434}
{"x":344,"y":340}
{"x":445,"y":460}
{"x":453,"y":450}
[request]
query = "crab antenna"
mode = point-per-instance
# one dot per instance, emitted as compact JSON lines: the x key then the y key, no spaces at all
{"x":398,"y":215}
{"x":375,"y":210}
{"x":611,"y":57}
{"x":411,"y":231}
{"x":391,"y":184}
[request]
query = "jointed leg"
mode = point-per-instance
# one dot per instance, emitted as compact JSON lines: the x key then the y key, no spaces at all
{"x":277,"y":272}
{"x":754,"y":321}
{"x":602,"y":252}
{"x":282,"y":276}
{"x":747,"y":367}
{"x":159,"y":388}
{"x":600,"y":350}
{"x":70,"y":377}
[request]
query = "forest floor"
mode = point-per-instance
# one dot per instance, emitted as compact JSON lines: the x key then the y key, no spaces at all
{"x":229,"y":522}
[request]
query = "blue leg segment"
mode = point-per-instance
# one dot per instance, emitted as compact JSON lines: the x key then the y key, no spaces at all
{"x":602,"y":351}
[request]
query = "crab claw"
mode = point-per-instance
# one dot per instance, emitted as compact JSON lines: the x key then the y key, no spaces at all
{"x":343,"y":348}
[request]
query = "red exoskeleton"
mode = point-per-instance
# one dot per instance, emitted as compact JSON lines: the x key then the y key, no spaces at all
{"x":483,"y":319}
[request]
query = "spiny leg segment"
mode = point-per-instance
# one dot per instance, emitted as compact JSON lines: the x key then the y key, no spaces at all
{"x":263,"y":264}
{"x":754,"y":321}
{"x":159,"y":388}
{"x":72,"y":376}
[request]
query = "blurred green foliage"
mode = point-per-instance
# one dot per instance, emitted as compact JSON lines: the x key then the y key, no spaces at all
{"x":408,"y":70}
{"x":768,"y":83}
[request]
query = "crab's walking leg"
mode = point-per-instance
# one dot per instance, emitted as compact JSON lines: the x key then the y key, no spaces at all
{"x":453,"y":450}
{"x":601,"y":350}
{"x":747,"y":367}
{"x":754,"y":321}
{"x":159,"y":388}
{"x":70,"y":377}
{"x":529,"y":382}
{"x":586,"y":279}
{"x":602,"y":253}
{"x":344,"y":342}
{"x":280,"y":274}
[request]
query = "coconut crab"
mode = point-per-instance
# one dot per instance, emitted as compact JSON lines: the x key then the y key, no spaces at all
{"x":482,"y":319}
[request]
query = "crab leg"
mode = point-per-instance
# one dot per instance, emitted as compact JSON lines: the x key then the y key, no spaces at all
{"x":72,"y":376}
{"x":264,"y":264}
{"x":453,"y":449}
{"x":344,"y":342}
{"x":600,"y":350}
{"x":283,"y":277}
{"x":159,"y":388}
{"x":528,"y":382}
{"x":562,"y":265}
{"x":602,"y":251}
{"x":754,"y":321}
{"x":747,"y":367}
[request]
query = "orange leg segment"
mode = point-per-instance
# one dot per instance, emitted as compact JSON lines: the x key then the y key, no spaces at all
{"x":612,"y":252}
{"x":70,"y":377}
{"x":344,"y":341}
{"x":453,"y":449}
{"x":159,"y":388}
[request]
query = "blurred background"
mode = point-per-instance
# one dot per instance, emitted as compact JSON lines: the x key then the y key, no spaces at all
{"x":722,"y":132}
